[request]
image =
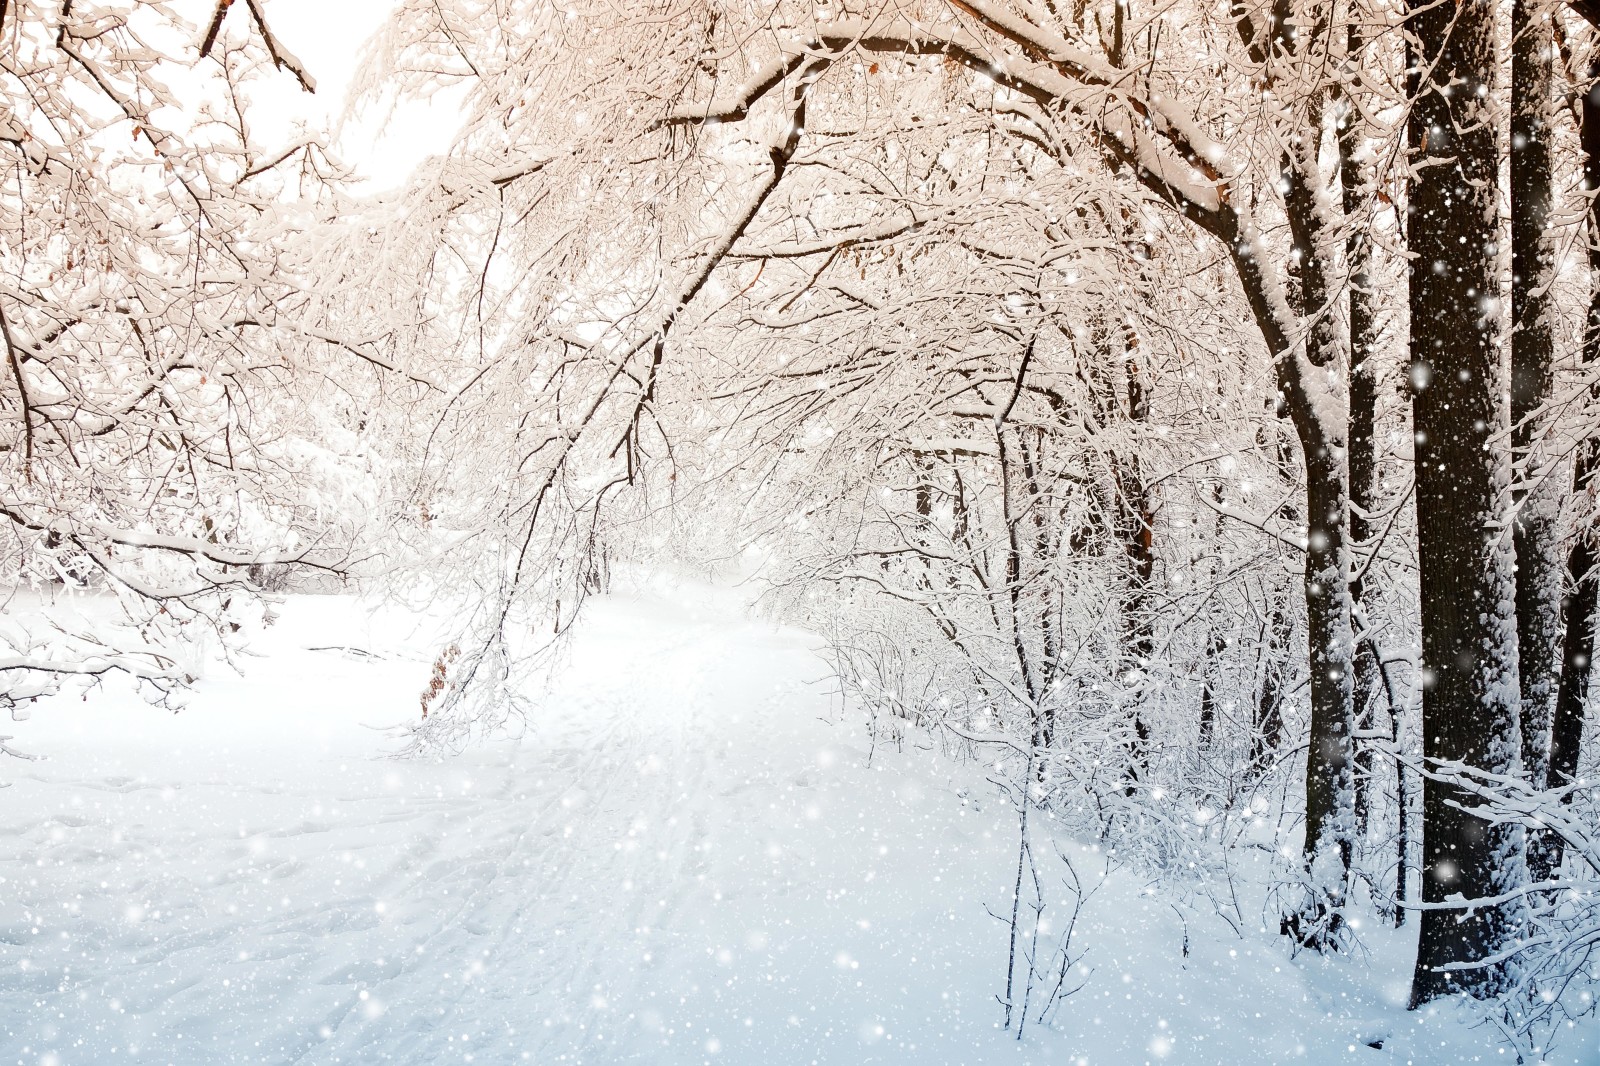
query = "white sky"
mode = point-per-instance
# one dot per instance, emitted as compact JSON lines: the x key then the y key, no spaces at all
{"x":329,"y":37}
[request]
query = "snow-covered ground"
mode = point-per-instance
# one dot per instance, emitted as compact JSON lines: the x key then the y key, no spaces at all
{"x":687,"y":859}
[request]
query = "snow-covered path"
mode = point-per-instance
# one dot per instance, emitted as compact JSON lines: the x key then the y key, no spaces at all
{"x":683,"y":861}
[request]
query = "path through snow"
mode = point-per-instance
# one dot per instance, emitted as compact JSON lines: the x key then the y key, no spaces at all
{"x":685,"y":860}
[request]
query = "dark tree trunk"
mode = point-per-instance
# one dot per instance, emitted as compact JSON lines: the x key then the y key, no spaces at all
{"x":1537,"y":531}
{"x":1131,"y":509}
{"x":1315,"y":404}
{"x":1208,"y":692}
{"x":1302,"y":382}
{"x":1470,"y":698}
{"x":1367,"y":692}
{"x":1363,"y":462}
{"x":1566,"y":736}
{"x":1216,"y":644}
{"x":1577,"y":653}
{"x":1402,"y":843}
{"x":1135,"y":525}
{"x":1266,"y":732}
{"x":1330,"y":798}
{"x":1330,"y":768}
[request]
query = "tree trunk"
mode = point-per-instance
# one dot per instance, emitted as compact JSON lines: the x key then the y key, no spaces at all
{"x":1302,"y":381}
{"x":1470,"y":699}
{"x":1330,"y":773}
{"x":1267,"y":726}
{"x":1330,"y":768}
{"x":1402,"y":843}
{"x":1208,"y":691}
{"x":1130,"y":506}
{"x":1537,"y":530}
{"x":1577,"y":653}
{"x":1216,"y":644}
{"x":1363,"y":461}
{"x":1135,"y":526}
{"x":1266,"y":732}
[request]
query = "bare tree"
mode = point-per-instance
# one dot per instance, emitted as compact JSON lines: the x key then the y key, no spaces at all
{"x":158,"y":446}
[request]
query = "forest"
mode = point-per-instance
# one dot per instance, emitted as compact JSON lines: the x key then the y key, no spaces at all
{"x":1165,"y":431}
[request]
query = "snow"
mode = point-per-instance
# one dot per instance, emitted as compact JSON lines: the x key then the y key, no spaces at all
{"x":691,"y":856}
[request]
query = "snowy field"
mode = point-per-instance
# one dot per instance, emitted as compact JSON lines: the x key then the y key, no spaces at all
{"x":688,"y":858}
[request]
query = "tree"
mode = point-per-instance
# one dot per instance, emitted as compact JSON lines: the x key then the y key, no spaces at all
{"x":1582,"y":593}
{"x":1150,"y":132}
{"x":1536,"y":536}
{"x":1470,"y":702}
{"x":159,"y":447}
{"x":773,"y":154}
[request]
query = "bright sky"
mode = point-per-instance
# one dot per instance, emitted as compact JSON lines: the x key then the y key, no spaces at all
{"x":329,"y":37}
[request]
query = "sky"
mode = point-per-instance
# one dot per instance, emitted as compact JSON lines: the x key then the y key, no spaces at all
{"x":329,"y":38}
